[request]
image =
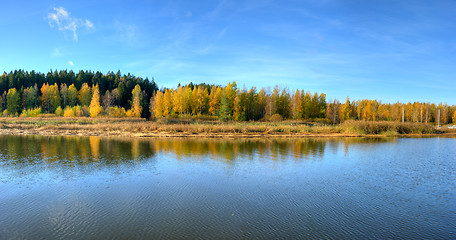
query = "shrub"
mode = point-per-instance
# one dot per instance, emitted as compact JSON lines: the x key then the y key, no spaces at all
{"x":69,"y":112}
{"x":33,"y":112}
{"x":59,"y":111}
{"x":117,"y":112}
{"x":276,"y":118}
{"x":129,"y":113}
{"x":85,"y":111}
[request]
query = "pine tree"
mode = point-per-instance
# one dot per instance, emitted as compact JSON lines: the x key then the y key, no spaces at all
{"x":225,"y":109}
{"x":227,"y":102}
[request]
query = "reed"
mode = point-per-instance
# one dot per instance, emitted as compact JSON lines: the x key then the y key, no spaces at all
{"x":206,"y":127}
{"x":387,"y":128}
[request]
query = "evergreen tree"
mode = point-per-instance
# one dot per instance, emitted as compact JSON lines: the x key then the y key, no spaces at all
{"x":225,"y":109}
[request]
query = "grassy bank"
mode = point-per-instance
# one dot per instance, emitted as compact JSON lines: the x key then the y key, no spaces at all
{"x":185,"y":128}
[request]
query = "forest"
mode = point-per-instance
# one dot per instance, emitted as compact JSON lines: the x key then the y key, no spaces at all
{"x":32,"y":93}
{"x":94,"y":94}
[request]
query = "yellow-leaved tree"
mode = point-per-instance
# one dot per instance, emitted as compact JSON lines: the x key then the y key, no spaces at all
{"x":95,"y":107}
{"x":72,"y":95}
{"x":45,"y":97}
{"x":158,"y":104}
{"x":203,"y":99}
{"x":454,"y":117}
{"x":85,"y":95}
{"x":136,"y":108}
{"x":215,"y":99}
{"x":54,"y":97}
{"x":178,"y":100}
{"x":346,"y":110}
{"x":168,"y":102}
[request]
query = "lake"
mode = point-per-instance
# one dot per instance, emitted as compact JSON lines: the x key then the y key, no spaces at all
{"x":100,"y":188}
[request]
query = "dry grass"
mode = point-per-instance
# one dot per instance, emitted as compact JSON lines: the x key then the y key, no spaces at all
{"x":203,"y":127}
{"x":387,"y":128}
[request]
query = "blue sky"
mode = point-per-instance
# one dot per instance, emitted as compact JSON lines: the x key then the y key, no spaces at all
{"x":387,"y":50}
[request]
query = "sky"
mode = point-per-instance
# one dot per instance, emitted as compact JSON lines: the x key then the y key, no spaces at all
{"x":387,"y":50}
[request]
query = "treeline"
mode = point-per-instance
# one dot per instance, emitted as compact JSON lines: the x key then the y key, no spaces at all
{"x":87,"y":93}
{"x":230,"y":103}
{"x":373,"y":110}
{"x":22,"y":91}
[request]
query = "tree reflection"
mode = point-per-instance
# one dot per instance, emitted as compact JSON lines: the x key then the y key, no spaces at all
{"x":75,"y":150}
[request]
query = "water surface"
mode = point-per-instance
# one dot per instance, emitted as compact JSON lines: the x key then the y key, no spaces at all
{"x":90,"y":187}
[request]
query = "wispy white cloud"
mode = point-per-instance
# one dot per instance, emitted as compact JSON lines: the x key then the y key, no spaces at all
{"x":125,"y":32}
{"x":71,"y":63}
{"x":63,"y":21}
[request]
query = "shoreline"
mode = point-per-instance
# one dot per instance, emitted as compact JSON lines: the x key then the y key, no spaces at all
{"x":140,"y":128}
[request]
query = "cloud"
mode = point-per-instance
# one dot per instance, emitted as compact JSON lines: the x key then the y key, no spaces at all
{"x":63,"y":21}
{"x":71,"y":63}
{"x":125,"y":32}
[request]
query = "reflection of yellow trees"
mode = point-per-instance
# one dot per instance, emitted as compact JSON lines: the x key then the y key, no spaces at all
{"x":95,"y":146}
{"x":135,"y":152}
{"x":83,"y":150}
{"x":230,"y":150}
{"x":54,"y":149}
{"x":44,"y":149}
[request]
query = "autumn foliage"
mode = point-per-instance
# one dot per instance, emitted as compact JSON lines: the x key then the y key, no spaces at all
{"x":93,"y":94}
